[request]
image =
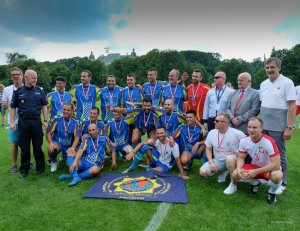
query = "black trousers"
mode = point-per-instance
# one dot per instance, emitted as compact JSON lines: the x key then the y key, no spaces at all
{"x":211,"y":123}
{"x":31,"y":131}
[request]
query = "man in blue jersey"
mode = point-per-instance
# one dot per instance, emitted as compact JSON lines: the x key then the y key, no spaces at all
{"x":153,"y":88}
{"x":118,"y":134}
{"x":85,"y":95}
{"x":169,"y":119}
{"x":110,"y":96}
{"x":88,"y":160}
{"x":145,"y":120}
{"x":131,"y":94}
{"x":94,"y":114}
{"x":175,"y":92}
{"x":56,"y":99}
{"x":63,"y":134}
{"x":190,"y":139}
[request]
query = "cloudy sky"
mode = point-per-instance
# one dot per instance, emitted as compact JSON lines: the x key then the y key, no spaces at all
{"x":51,"y":30}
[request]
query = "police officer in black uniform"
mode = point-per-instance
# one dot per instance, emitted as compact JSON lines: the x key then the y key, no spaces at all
{"x":30,"y":101}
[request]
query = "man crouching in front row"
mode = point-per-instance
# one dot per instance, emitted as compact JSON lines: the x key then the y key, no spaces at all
{"x":265,"y":162}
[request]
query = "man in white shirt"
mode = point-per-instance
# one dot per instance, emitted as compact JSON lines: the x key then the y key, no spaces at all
{"x":216,"y":100}
{"x":17,"y":77}
{"x":278,"y":108}
{"x":165,"y":151}
{"x":223,"y":141}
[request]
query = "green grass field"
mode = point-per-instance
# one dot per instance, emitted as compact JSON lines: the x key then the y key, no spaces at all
{"x":45,"y":203}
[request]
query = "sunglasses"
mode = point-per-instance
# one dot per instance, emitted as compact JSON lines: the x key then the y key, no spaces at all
{"x":217,"y":121}
{"x":218,"y":77}
{"x":91,"y":130}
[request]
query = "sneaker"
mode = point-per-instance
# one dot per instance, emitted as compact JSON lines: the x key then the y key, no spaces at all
{"x":189,"y":165}
{"x":254,"y":188}
{"x":65,"y":177}
{"x":272,"y":199}
{"x":14,"y":169}
{"x":222,"y":177}
{"x":231,"y":189}
{"x":53,"y":166}
{"x":143,"y":165}
{"x":126,"y":170}
{"x":49,"y":162}
{"x":75,"y":181}
{"x":283,"y":187}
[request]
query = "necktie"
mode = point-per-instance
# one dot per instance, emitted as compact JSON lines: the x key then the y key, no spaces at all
{"x":239,"y":100}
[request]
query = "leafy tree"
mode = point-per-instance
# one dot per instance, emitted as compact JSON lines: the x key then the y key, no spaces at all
{"x":233,"y":68}
{"x":14,"y":57}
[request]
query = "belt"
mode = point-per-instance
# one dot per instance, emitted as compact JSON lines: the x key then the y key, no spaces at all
{"x":29,"y":117}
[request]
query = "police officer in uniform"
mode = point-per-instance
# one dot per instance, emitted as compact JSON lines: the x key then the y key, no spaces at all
{"x":30,"y":101}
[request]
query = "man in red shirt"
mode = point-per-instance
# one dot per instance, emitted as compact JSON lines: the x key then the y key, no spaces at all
{"x":196,"y":94}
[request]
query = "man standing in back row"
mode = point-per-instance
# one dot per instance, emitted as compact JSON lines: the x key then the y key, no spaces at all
{"x":243,"y":103}
{"x":278,"y":108}
{"x":216,"y":100}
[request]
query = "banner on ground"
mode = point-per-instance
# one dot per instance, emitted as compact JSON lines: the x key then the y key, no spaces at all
{"x":146,"y":186}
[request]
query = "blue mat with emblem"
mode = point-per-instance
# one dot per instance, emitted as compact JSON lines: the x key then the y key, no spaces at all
{"x":146,"y":186}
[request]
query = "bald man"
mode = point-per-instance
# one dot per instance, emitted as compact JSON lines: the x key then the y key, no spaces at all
{"x":88,"y":161}
{"x":243,"y":103}
{"x":216,"y":100}
{"x":30,"y":101}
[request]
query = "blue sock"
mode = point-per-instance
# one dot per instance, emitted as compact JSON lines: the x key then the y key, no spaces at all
{"x":85,"y":175}
{"x":136,"y":160}
{"x":70,"y":160}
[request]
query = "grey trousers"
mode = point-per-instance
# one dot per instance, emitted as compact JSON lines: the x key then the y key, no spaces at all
{"x":280,"y":142}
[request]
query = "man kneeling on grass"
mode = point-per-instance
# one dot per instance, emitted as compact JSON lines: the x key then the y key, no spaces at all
{"x":265,"y":161}
{"x":163,"y":154}
{"x":88,"y":161}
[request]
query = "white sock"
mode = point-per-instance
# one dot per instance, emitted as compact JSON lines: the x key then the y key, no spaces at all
{"x":274,"y":187}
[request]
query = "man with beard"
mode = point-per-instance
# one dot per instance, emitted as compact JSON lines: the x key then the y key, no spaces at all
{"x":196,"y":93}
{"x":85,"y":95}
{"x":110,"y":96}
{"x":63,"y":134}
{"x":278,"y":108}
{"x":166,"y":152}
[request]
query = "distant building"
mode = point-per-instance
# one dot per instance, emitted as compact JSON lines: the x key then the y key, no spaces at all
{"x":92,"y":57}
{"x":109,"y":58}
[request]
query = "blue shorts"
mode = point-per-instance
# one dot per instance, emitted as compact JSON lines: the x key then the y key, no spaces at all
{"x":121,"y":147}
{"x":62,"y":148}
{"x":164,"y":167}
{"x":147,"y":147}
{"x":13,"y":135}
{"x":85,"y":165}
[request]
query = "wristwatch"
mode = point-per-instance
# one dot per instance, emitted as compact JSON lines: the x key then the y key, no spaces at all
{"x":289,"y":127}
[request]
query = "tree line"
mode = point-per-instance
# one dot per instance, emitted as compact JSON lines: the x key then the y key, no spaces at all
{"x":162,"y":60}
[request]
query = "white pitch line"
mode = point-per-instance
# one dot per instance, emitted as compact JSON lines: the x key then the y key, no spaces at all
{"x":157,"y":219}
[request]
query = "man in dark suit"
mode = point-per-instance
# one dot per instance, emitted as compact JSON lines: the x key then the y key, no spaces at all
{"x":243,"y":103}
